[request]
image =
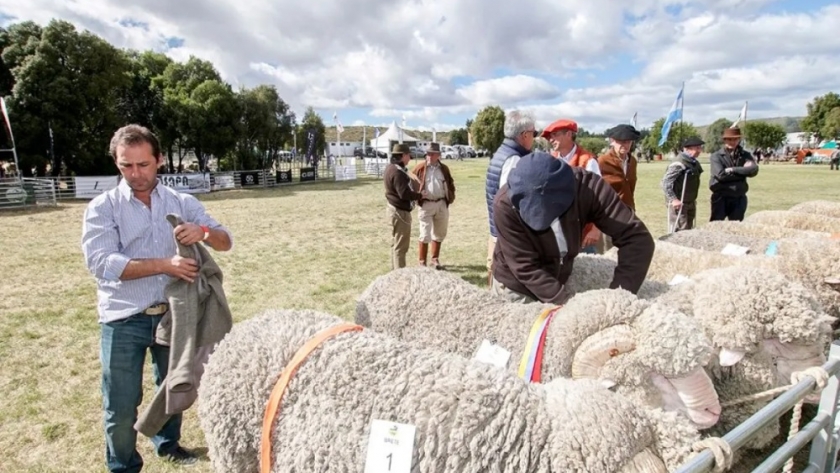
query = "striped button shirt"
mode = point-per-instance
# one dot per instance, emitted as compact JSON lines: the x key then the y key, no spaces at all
{"x":117,"y":228}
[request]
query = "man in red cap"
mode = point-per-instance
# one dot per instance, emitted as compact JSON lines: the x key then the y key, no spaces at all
{"x":562,"y":134}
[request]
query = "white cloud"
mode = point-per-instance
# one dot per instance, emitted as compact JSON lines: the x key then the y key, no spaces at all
{"x":436,"y":61}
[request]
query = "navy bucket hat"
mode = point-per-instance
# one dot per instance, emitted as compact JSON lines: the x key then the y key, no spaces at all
{"x":542,"y":189}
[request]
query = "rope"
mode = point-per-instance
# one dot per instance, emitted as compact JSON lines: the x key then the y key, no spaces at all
{"x":720,"y":449}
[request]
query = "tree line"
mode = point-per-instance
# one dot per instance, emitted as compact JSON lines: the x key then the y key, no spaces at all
{"x":822,"y":122}
{"x":68,"y":91}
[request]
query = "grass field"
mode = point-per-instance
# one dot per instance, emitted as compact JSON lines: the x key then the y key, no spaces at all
{"x":314,"y":246}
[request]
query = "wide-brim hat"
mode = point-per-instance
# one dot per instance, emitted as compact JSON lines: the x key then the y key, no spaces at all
{"x":733,"y":132}
{"x":561,"y":124}
{"x":400,"y":148}
{"x":434,"y":148}
{"x":624,"y":133}
{"x":542,"y":189}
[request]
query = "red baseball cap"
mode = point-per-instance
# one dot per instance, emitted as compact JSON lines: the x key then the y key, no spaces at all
{"x":561,"y":124}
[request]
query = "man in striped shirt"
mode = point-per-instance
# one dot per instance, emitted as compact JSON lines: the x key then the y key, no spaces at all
{"x":128,"y":246}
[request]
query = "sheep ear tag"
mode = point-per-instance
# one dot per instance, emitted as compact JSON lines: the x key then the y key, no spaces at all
{"x":730,"y":357}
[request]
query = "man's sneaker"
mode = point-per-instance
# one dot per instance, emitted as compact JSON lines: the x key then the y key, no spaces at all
{"x":180,"y":456}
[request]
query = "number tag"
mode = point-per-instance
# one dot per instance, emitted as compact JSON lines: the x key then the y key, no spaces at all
{"x":734,"y":250}
{"x":390,"y":447}
{"x":492,"y":354}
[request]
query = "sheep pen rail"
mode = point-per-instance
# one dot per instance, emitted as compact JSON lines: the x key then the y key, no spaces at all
{"x":821,"y":431}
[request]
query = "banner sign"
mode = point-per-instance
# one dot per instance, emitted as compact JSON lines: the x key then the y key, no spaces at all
{"x":346,"y":170}
{"x":310,"y":144}
{"x":307,"y":174}
{"x":88,"y":187}
{"x":223,"y":181}
{"x":284,"y":177}
{"x":247,"y":179}
{"x":195,"y":183}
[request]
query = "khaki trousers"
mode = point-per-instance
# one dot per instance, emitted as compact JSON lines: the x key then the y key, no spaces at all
{"x":400,"y":235}
{"x":687,"y":216}
{"x":434,"y":221}
{"x":491,"y":246}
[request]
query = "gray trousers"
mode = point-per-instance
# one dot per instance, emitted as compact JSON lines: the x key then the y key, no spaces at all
{"x":686,"y":218}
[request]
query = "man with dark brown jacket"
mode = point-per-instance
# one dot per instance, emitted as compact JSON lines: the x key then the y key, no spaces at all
{"x":436,"y":180}
{"x":540,"y":215}
{"x":401,"y":198}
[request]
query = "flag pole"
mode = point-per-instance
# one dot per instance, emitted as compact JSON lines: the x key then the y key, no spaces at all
{"x":8,"y":123}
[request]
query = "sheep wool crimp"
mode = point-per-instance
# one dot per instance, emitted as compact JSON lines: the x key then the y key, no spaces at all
{"x":467,"y":416}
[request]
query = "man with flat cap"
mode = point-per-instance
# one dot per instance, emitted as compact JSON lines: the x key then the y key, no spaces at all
{"x":539,"y":216}
{"x":730,"y":168}
{"x":618,"y":168}
{"x":681,"y":184}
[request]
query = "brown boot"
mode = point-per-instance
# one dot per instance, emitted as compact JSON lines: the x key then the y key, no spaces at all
{"x":422,"y":251}
{"x":436,"y":254}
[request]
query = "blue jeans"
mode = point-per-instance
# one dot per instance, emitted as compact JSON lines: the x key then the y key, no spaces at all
{"x":123,"y":354}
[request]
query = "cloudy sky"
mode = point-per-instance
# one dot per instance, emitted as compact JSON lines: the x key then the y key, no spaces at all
{"x":438,"y":62}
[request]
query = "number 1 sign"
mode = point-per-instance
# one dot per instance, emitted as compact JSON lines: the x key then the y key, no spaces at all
{"x":390,"y":447}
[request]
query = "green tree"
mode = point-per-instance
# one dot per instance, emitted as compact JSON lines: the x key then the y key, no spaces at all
{"x":311,"y":122}
{"x":592,"y":143}
{"x":818,"y":111}
{"x":211,"y":127}
{"x":714,"y":134}
{"x":679,"y":131}
{"x":831,"y":126}
{"x":764,"y":135}
{"x":266,"y":125}
{"x":70,"y":84}
{"x":488,"y":128}
{"x":458,"y":136}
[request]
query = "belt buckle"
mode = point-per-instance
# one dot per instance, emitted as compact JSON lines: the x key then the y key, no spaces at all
{"x":157,"y":309}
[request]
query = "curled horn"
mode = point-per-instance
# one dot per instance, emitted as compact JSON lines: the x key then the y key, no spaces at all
{"x":600,"y":347}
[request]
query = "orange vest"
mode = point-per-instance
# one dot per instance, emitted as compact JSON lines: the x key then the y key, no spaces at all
{"x":580,"y":160}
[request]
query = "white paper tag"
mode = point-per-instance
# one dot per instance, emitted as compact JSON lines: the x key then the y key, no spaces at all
{"x":678,"y":279}
{"x":390,"y":447}
{"x":734,"y":250}
{"x":492,"y":354}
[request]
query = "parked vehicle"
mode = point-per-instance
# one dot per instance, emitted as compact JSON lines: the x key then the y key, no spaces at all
{"x":369,"y":153}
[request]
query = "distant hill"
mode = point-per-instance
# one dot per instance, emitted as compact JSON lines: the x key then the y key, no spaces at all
{"x":790,"y":124}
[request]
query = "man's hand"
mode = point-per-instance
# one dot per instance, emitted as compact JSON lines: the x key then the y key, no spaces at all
{"x":749,"y":163}
{"x":591,"y":237}
{"x":727,"y":171}
{"x":676,"y":203}
{"x":182,"y":268}
{"x":189,"y":233}
{"x":424,"y":194}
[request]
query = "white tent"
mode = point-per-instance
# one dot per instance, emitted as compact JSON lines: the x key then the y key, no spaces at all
{"x":386,"y":140}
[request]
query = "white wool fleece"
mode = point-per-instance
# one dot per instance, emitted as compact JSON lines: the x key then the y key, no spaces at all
{"x":591,"y":272}
{"x":797,"y":220}
{"x":759,"y":230}
{"x":436,"y":309}
{"x":469,"y":417}
{"x":826,"y":208}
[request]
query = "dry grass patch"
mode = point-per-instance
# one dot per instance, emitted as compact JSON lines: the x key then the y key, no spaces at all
{"x":314,"y":246}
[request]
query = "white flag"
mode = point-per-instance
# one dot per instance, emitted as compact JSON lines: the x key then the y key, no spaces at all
{"x":741,"y":117}
{"x":633,"y":120}
{"x":434,"y":135}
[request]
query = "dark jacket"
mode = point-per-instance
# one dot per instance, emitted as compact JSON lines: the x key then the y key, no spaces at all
{"x":734,"y":184}
{"x":529,"y":262}
{"x":398,"y":190}
{"x":507,"y":149}
{"x":684,"y":169}
{"x":420,"y":172}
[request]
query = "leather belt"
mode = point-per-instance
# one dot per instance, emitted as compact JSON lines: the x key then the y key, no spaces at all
{"x":157,"y":309}
{"x":433,"y":200}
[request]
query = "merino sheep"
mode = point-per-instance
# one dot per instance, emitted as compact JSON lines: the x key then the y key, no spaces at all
{"x":798,"y":220}
{"x":592,"y":272}
{"x":468,"y":416}
{"x":650,"y":353}
{"x":716,"y":241}
{"x":763,"y":326}
{"x":825,"y":208}
{"x":760,"y":230}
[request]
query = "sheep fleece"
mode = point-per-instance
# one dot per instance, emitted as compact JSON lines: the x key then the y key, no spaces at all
{"x":469,"y":416}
